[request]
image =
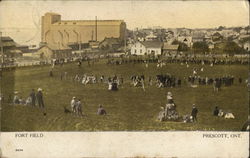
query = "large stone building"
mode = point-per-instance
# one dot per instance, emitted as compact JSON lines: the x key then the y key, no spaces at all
{"x":61,"y":33}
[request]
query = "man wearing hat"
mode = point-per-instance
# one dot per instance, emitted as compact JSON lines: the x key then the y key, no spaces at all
{"x":194,"y":113}
{"x":39,"y":97}
{"x":170,"y":98}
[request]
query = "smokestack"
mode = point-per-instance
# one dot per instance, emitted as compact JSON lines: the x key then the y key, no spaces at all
{"x":95,"y":28}
{"x":92,"y":35}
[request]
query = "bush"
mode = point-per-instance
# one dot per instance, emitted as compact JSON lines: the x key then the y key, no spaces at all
{"x":199,"y":47}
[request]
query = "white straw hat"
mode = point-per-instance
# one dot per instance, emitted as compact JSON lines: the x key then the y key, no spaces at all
{"x":39,"y":89}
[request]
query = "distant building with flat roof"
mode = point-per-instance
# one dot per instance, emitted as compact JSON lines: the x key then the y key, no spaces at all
{"x":61,"y":33}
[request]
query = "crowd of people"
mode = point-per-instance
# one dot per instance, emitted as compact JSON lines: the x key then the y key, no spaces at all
{"x":168,"y":112}
{"x":160,"y":80}
{"x":161,"y":61}
{"x":167,"y":81}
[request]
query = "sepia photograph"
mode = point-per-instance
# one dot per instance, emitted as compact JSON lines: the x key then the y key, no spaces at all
{"x":125,"y":66}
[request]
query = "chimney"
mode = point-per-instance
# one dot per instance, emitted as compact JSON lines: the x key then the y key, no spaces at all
{"x":96,"y":28}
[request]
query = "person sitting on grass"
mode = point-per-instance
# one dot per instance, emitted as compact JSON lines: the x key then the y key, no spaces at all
{"x":162,"y":114}
{"x":187,"y":119}
{"x":21,"y":101}
{"x":28,"y":101}
{"x":246,"y":125}
{"x":101,"y":110}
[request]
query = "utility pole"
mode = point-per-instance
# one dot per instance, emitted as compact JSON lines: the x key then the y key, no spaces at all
{"x":80,"y":43}
{"x":92,"y":35}
{"x":96,"y":28}
{"x":125,"y":40}
{"x":1,"y":44}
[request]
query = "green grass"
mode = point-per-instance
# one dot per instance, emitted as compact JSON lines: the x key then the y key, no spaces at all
{"x":130,"y":108}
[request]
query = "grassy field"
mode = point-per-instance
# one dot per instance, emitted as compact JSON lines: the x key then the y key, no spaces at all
{"x":129,"y":108}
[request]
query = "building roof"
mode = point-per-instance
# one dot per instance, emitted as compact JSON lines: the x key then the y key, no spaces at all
{"x":198,"y":35}
{"x":16,"y":51}
{"x":244,"y":36}
{"x":170,"y":46}
{"x":55,"y":47}
{"x":151,"y":35}
{"x":216,"y":34}
{"x":152,"y":44}
{"x":210,"y":43}
{"x":22,"y":46}
{"x":9,"y":44}
{"x":52,"y":13}
{"x":89,"y":22}
{"x":110,"y":40}
{"x":6,"y":38}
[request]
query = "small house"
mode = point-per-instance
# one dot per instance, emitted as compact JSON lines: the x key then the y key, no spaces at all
{"x":50,"y":52}
{"x":146,"y":48}
{"x":170,"y":48}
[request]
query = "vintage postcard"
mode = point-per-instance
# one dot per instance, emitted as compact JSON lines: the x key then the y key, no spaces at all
{"x":124,"y":79}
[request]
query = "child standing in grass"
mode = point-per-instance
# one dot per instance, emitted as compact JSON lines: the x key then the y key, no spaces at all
{"x":79,"y":108}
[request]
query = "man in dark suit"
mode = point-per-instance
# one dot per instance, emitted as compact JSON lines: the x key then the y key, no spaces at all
{"x":216,"y":111}
{"x":194,"y":113}
{"x":33,"y":97}
{"x":39,"y":97}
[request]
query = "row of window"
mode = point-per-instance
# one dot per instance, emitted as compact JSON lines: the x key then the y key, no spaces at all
{"x":152,"y":51}
{"x":140,"y":45}
{"x":66,"y":23}
{"x":136,"y":51}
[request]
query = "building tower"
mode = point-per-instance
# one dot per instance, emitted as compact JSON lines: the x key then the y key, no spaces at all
{"x":47,"y":20}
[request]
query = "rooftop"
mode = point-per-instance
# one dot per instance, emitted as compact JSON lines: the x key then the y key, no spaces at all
{"x":170,"y":46}
{"x":152,"y":44}
{"x":56,"y":47}
{"x":6,"y":38}
{"x":89,"y":22}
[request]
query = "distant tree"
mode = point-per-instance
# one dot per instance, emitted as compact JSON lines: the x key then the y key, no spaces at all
{"x":217,"y":37}
{"x":247,"y":27}
{"x":102,"y":47}
{"x":220,"y":28}
{"x":230,"y":38}
{"x":237,"y":29}
{"x":182,"y":46}
{"x":245,"y":40}
{"x":200,"y":47}
{"x":231,"y":47}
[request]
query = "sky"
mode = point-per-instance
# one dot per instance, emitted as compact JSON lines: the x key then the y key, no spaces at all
{"x":22,"y":19}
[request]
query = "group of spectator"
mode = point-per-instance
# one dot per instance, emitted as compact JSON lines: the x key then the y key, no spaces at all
{"x":35,"y":98}
{"x":77,"y":109}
